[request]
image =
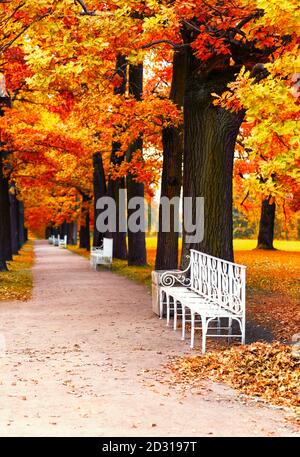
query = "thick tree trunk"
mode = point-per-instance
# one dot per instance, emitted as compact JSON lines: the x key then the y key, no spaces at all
{"x":72,"y":233}
{"x":100,"y":190}
{"x":136,"y":239}
{"x":6,"y":220}
{"x":3,"y":240}
{"x":210,"y":135}
{"x":48,"y":232}
{"x":167,"y":242}
{"x":266,"y":225}
{"x":171,"y":180}
{"x":5,"y":229}
{"x":114,"y":186}
{"x":14,"y":220}
{"x":21,"y":233}
{"x":84,"y":231}
{"x":63,"y":229}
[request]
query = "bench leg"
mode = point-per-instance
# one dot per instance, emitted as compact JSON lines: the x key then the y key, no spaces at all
{"x":192,"y":329}
{"x":161,"y":304}
{"x":175,"y":315}
{"x":168,"y":310}
{"x":243,"y":330}
{"x":183,"y":323}
{"x":204,"y":331}
{"x":229,"y":328}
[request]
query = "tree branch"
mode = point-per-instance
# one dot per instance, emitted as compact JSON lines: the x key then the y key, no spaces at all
{"x":85,"y":10}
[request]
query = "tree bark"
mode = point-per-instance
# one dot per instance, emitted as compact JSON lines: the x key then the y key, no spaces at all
{"x":14,"y":219}
{"x":5,"y":235}
{"x":100,"y":190}
{"x":266,"y":225}
{"x":171,"y":180}
{"x":63,"y":229}
{"x":114,"y":186}
{"x":21,"y":233}
{"x":3,"y":240}
{"x":72,"y":233}
{"x":84,"y":231}
{"x":6,"y":220}
{"x":48,"y":231}
{"x":210,"y":134}
{"x":136,"y":240}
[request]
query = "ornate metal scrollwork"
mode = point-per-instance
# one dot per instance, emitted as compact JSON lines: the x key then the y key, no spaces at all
{"x":169,"y":278}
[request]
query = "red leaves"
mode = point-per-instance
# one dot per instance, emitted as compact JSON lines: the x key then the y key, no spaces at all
{"x":207,"y":46}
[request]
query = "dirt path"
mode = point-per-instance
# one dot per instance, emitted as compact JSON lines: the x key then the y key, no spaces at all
{"x":80,"y":360}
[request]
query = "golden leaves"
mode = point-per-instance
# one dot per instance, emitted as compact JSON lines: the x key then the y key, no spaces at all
{"x":16,"y":284}
{"x":258,"y":370}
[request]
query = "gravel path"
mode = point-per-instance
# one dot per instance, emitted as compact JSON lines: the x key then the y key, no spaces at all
{"x":81,"y":361}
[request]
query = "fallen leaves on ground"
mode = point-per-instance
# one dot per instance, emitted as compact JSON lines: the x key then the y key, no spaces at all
{"x":273,"y":290}
{"x":260,"y":370}
{"x":16,"y":284}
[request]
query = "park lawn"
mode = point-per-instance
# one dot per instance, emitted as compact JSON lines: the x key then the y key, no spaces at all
{"x":78,"y":250}
{"x":273,"y":290}
{"x":16,"y":284}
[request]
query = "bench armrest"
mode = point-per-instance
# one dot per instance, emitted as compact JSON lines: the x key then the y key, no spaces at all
{"x":169,"y":278}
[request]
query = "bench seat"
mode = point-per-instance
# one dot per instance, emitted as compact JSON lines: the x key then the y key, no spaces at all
{"x":210,"y":289}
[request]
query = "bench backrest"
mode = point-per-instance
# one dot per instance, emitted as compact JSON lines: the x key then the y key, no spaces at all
{"x":217,"y":279}
{"x":108,"y":247}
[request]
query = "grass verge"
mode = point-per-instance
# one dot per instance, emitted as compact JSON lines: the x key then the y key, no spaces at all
{"x":16,"y":284}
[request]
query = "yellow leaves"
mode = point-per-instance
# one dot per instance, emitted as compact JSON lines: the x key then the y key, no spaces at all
{"x":260,"y":370}
{"x":48,"y":121}
{"x":16,"y":284}
{"x":136,"y":57}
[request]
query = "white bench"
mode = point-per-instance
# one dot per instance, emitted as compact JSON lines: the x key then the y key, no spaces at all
{"x":51,"y":239}
{"x":62,"y":242}
{"x":210,"y":289}
{"x":58,"y":241}
{"x":102,"y":255}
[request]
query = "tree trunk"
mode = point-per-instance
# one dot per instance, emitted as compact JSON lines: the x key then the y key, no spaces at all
{"x":210,"y":134}
{"x":6,"y":220}
{"x":266,"y":225}
{"x":136,"y":240}
{"x":14,"y":220}
{"x":48,"y":232}
{"x":84,"y":232}
{"x":114,"y":186}
{"x":100,"y":190}
{"x":21,"y":234}
{"x":72,"y":233}
{"x":63,"y":229}
{"x":171,"y":180}
{"x":3,"y":240}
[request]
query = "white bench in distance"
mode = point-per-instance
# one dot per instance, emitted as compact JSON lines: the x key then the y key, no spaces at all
{"x":62,"y":242}
{"x":102,"y":255}
{"x":210,"y":289}
{"x":51,"y":239}
{"x":56,"y":241}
